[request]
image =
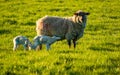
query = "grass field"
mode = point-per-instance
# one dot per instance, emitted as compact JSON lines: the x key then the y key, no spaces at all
{"x":97,"y":53}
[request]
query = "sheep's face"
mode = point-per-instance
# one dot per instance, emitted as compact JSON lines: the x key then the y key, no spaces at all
{"x":82,"y":16}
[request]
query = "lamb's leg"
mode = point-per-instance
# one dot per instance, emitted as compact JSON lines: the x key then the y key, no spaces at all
{"x":69,"y":43}
{"x":25,"y":47}
{"x":15,"y":46}
{"x":37,"y":48}
{"x":47,"y":46}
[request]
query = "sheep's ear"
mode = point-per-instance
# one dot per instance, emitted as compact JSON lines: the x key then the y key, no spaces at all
{"x":87,"y":13}
{"x":76,"y":14}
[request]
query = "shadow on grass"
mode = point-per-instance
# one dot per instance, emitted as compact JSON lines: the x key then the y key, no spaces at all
{"x":4,"y":31}
{"x":10,"y":73}
{"x":28,"y":23}
{"x":10,"y":21}
{"x":113,"y":45}
{"x":101,"y":49}
{"x":5,"y":49}
{"x":96,"y":27}
{"x":106,"y":47}
{"x":69,"y":51}
{"x":109,"y":69}
{"x":13,"y":69}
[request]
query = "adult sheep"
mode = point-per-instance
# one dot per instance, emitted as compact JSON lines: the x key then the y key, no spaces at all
{"x":69,"y":28}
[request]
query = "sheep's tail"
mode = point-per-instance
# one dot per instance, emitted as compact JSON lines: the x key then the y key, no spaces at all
{"x":42,"y":28}
{"x":39,"y":27}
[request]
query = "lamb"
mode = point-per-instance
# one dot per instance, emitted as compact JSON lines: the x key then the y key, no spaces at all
{"x":42,"y":39}
{"x":69,"y":28}
{"x":21,"y":40}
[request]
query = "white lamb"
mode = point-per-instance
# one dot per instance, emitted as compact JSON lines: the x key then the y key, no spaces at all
{"x":21,"y":40}
{"x":41,"y":39}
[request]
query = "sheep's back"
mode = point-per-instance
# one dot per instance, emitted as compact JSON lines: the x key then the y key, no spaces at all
{"x":52,"y":26}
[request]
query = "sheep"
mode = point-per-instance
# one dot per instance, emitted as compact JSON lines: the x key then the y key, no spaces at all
{"x":21,"y":40}
{"x":69,"y":28}
{"x":42,"y":39}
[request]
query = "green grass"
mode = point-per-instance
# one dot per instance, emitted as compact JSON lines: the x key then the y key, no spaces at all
{"x":97,"y":53}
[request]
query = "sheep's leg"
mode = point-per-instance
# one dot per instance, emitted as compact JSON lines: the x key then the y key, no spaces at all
{"x":74,"y":43}
{"x":40,"y":47}
{"x":69,"y":43}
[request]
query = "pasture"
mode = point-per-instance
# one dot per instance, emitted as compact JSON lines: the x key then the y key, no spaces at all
{"x":97,"y":52}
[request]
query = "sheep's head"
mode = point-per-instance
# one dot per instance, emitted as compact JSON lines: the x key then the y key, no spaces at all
{"x":82,"y":17}
{"x":81,"y":13}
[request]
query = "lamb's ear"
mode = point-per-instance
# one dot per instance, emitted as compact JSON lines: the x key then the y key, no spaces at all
{"x":87,"y":13}
{"x":76,"y":14}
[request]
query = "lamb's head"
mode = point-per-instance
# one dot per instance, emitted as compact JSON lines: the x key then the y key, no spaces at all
{"x":36,"y":42}
{"x":28,"y":44}
{"x":36,"y":39}
{"x":82,"y":17}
